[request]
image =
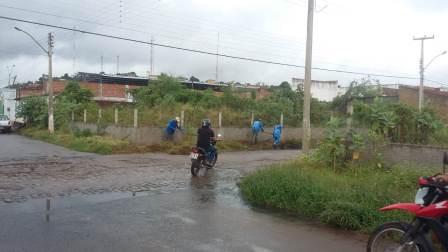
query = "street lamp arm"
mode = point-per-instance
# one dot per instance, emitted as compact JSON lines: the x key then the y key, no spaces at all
{"x":29,"y":35}
{"x":444,"y":52}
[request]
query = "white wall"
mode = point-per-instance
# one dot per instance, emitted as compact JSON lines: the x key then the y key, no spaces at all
{"x":321,"y":90}
{"x":9,"y":95}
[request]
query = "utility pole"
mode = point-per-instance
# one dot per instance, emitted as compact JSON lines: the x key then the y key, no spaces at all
{"x":49,"y":53}
{"x":50,"y":83}
{"x":151,"y":68}
{"x":118,"y":64}
{"x":422,"y":70}
{"x":217,"y":60}
{"x":102,"y":64}
{"x":306,"y":136}
{"x":101,"y":77}
{"x":74,"y":50}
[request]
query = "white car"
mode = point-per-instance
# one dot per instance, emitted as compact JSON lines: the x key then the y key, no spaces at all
{"x":5,"y":124}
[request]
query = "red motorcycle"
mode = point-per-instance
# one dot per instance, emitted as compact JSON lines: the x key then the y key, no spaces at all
{"x":431,"y":214}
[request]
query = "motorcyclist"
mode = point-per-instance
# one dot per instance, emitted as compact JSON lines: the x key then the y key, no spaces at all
{"x":257,"y":127}
{"x":205,"y":137}
{"x":171,"y":128}
{"x":276,"y":135}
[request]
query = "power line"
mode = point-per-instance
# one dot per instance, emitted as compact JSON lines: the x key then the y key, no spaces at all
{"x":144,"y":32}
{"x":206,"y":52}
{"x":283,"y":53}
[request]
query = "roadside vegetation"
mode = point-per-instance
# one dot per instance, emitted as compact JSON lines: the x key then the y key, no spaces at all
{"x":86,"y":141}
{"x":158,"y":103}
{"x":344,"y":181}
{"x":347,"y":199}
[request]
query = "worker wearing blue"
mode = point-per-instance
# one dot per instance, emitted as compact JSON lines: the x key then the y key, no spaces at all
{"x":257,"y":127}
{"x":171,"y":128}
{"x":277,"y":135}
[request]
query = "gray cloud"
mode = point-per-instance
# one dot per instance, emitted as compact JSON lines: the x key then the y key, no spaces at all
{"x":345,"y":38}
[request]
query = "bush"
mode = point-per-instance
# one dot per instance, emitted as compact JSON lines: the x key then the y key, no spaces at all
{"x":348,"y":198}
{"x":34,"y":110}
{"x":82,"y":133}
{"x":337,"y":148}
{"x":397,"y":122}
{"x":346,"y":215}
{"x":167,"y":92}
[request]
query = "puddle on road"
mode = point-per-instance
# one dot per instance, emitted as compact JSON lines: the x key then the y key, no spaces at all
{"x":217,"y":186}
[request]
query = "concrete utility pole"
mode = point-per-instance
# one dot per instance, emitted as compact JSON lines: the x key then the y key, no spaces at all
{"x":306,"y":136}
{"x":101,"y":77}
{"x":118,"y":64}
{"x":74,"y":50}
{"x":422,"y":70}
{"x":151,"y":69}
{"x":102,"y":61}
{"x":217,"y":60}
{"x":50,"y":83}
{"x":49,"y":53}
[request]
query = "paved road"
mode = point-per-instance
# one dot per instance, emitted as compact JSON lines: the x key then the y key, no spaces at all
{"x":143,"y":203}
{"x":15,"y":147}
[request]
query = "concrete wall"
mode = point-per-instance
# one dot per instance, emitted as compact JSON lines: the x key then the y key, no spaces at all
{"x":287,"y":134}
{"x":153,"y":135}
{"x":393,"y":154}
{"x":414,"y":155}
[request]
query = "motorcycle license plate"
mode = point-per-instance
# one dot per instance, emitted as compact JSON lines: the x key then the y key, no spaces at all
{"x":194,"y":155}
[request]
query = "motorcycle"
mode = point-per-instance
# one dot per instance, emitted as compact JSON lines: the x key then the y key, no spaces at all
{"x":431,"y":217}
{"x":199,"y":160}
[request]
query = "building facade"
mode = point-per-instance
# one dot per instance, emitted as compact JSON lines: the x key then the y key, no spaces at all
{"x":321,"y":90}
{"x":8,"y":102}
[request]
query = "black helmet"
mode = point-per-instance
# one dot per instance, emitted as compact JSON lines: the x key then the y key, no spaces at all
{"x":206,"y":123}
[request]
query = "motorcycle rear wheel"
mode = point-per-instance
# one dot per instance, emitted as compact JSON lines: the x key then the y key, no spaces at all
{"x":212,"y":164}
{"x":387,"y":237}
{"x":195,"y":167}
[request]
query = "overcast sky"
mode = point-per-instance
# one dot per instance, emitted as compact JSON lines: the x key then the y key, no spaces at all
{"x":373,"y":36}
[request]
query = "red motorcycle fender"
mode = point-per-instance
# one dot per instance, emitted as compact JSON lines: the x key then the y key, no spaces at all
{"x":408,"y":207}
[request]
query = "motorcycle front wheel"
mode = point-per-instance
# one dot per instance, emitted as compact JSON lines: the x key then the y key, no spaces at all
{"x":388,"y":236}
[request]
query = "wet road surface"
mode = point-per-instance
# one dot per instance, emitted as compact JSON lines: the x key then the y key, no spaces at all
{"x":144,"y":203}
{"x":15,"y":147}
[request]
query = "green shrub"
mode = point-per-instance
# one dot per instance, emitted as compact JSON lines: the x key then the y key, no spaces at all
{"x":348,"y":198}
{"x":82,"y":133}
{"x":347,"y":215}
{"x":34,"y":110}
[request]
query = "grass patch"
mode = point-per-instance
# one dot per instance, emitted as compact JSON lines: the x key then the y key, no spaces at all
{"x":85,"y":141}
{"x":349,"y":199}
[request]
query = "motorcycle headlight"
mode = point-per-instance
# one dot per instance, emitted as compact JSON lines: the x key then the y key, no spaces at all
{"x":421,"y":193}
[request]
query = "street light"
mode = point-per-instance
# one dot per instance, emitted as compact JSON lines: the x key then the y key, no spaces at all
{"x":49,"y":53}
{"x":422,"y":78}
{"x":435,"y":57}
